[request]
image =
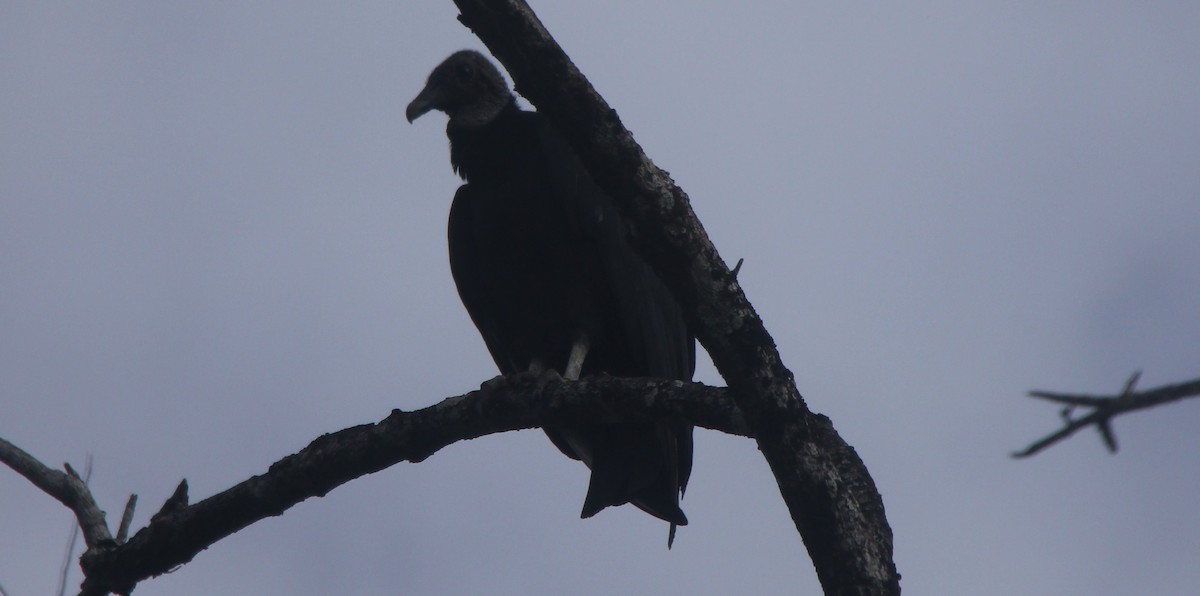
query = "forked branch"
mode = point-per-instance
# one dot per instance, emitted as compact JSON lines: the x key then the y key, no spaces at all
{"x":1104,"y":408}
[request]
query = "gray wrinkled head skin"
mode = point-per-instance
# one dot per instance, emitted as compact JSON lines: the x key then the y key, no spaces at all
{"x":467,"y":87}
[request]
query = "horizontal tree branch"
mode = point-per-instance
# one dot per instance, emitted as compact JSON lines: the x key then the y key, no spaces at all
{"x":1105,"y":408}
{"x":179,"y":531}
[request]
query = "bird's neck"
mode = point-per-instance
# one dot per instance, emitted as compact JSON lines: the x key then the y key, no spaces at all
{"x":482,"y":111}
{"x":476,"y":150}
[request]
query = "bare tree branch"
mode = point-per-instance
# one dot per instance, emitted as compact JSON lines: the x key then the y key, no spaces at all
{"x":69,"y":556}
{"x":126,"y":519}
{"x":1105,"y":408}
{"x":177,"y":533}
{"x":832,"y":498}
{"x":67,"y":487}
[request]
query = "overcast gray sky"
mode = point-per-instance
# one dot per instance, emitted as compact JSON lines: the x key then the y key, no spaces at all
{"x":219,"y":239}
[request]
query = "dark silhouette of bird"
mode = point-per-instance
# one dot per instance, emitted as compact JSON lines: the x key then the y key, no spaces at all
{"x":544,"y":268}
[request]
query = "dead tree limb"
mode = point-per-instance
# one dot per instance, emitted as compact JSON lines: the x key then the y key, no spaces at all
{"x":1104,"y":409}
{"x":831,"y":496}
{"x":180,"y":531}
{"x":67,"y":487}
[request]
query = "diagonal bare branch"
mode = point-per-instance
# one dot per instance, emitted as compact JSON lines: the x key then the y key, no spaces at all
{"x":832,"y":499}
{"x":1105,"y":408}
{"x":67,"y":487}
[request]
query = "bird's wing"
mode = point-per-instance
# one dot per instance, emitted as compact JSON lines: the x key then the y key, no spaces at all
{"x":655,"y":331}
{"x":651,"y":319}
{"x":465,"y":267}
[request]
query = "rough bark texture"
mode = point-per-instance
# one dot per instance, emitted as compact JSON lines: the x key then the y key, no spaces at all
{"x":180,"y":531}
{"x":832,"y":499}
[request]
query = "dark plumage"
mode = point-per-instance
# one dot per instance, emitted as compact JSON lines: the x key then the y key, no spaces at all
{"x":542,"y":264}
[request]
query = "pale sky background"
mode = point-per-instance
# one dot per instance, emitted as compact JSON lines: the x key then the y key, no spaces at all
{"x":220,"y":239}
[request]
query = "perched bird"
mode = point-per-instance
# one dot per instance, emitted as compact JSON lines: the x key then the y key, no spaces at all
{"x":543,"y":266}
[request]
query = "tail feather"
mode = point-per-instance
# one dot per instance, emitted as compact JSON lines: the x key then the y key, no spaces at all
{"x":644,"y":464}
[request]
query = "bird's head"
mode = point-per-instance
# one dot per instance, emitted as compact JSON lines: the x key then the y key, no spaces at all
{"x":467,"y":87}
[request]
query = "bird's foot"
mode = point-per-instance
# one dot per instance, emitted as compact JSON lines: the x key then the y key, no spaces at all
{"x":538,"y":378}
{"x":494,"y":383}
{"x":546,"y":378}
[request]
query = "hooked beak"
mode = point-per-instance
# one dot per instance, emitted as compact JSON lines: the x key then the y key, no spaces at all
{"x":425,"y":101}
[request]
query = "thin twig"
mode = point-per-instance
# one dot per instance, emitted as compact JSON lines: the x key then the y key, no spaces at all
{"x":70,"y":554}
{"x":1105,"y":408}
{"x":126,"y":519}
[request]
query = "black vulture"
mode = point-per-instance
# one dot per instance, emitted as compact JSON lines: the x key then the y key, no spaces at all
{"x":543,"y":266}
